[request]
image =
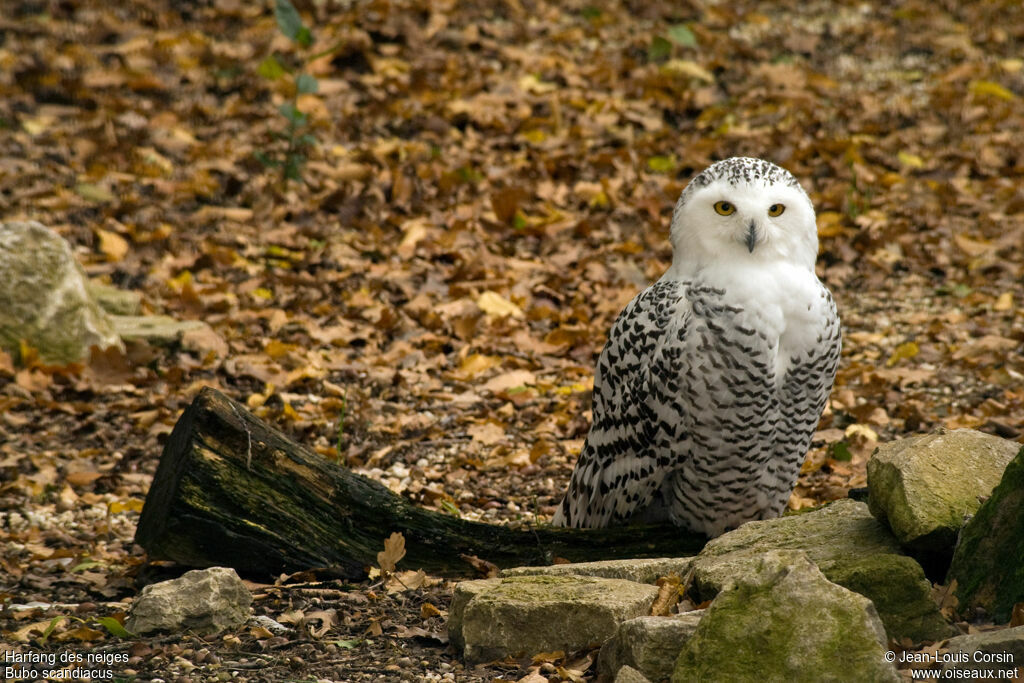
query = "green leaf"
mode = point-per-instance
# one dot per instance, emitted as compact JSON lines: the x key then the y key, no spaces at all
{"x":266,"y":160}
{"x":49,"y":629}
{"x":293,"y":166}
{"x":306,"y":84}
{"x":304,"y":37}
{"x":271,"y":69}
{"x":681,"y":35}
{"x":659,"y":49}
{"x":348,"y":644}
{"x":841,"y":451}
{"x":590,"y":12}
{"x":288,"y":19}
{"x":115,"y":628}
{"x":662,"y":164}
{"x":292,"y":113}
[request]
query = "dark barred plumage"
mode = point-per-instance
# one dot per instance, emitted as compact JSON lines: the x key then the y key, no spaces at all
{"x":710,"y":387}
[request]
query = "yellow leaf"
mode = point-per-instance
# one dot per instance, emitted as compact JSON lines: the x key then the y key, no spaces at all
{"x":535,"y":136}
{"x":278,"y":349}
{"x":991,"y":88}
{"x":907,"y":350}
{"x":861,"y":435}
{"x":910,"y":160}
{"x":133,"y":504}
{"x":394,"y":551}
{"x":1004,"y":302}
{"x":532,"y":84}
{"x":495,"y":304}
{"x":183,"y":279}
{"x":476,"y":363}
{"x":830,"y":224}
{"x":685,"y":67}
{"x":263,"y":293}
{"x":1012,"y":65}
{"x":113,"y":246}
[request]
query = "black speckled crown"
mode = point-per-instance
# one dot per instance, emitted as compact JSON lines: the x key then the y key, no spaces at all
{"x":740,"y":170}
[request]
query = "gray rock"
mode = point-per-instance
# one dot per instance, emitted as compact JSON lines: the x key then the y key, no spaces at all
{"x":851,"y":548}
{"x":628,"y":674}
{"x":45,"y":299}
{"x":203,"y":600}
{"x":524,"y":615}
{"x":641,"y":571}
{"x":925,"y":486}
{"x":1002,"y":649}
{"x":782,"y":620}
{"x":988,"y":559}
{"x":155,"y":329}
{"x":649,"y":645}
{"x":113,"y":300}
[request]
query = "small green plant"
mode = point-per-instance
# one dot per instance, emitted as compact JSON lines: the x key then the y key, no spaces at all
{"x":295,"y":135}
{"x":661,"y":45}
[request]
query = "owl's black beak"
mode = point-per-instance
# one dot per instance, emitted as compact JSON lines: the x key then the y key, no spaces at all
{"x":751,"y":236}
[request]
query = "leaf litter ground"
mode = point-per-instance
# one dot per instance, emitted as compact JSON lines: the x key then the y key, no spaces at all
{"x":491,"y":184}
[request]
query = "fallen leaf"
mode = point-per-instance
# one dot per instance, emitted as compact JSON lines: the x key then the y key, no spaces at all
{"x":487,"y":433}
{"x":394,"y":551}
{"x":494,"y":304}
{"x":112,"y":245}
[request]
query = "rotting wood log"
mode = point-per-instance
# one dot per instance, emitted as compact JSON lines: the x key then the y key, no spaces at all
{"x":232,"y":491}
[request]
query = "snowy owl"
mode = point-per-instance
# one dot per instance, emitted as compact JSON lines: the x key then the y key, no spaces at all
{"x":713,"y":378}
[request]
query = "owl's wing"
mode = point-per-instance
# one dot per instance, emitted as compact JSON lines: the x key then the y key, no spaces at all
{"x":636,"y":412}
{"x":804,"y":392}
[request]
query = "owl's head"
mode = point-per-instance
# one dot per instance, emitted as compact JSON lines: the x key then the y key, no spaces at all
{"x":743,"y":209}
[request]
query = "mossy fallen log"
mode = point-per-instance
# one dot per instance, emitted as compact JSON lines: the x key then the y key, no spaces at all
{"x":232,"y":491}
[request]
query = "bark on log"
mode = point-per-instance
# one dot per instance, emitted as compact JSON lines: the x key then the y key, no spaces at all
{"x":232,"y":491}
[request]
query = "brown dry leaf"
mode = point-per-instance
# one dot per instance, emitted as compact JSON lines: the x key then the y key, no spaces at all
{"x":394,"y":551}
{"x":405,"y":581}
{"x":374,"y":629}
{"x":326,"y":618}
{"x":972,"y":247}
{"x":294,"y":616}
{"x":668,"y":595}
{"x":428,"y":610}
{"x":485,"y":569}
{"x":260,"y":632}
{"x":82,"y":477}
{"x":510,"y":380}
{"x":82,"y":633}
{"x":413,"y":231}
{"x":1017,"y":615}
{"x":487,"y":433}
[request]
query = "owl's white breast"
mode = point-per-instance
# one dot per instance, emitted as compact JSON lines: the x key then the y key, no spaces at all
{"x":781,"y":300}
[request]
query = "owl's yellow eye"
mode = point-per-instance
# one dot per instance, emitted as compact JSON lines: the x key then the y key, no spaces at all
{"x":724,"y":208}
{"x":776,"y":210}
